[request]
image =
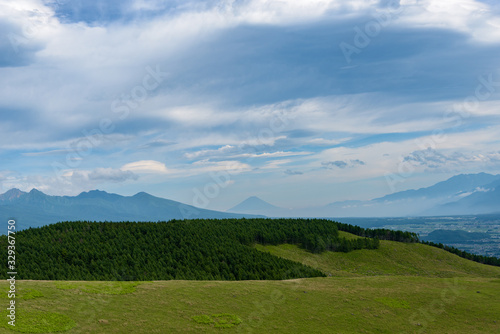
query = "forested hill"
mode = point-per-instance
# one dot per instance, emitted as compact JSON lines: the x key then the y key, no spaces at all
{"x":190,"y":249}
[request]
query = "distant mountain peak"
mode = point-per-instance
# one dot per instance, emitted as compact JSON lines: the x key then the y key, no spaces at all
{"x":95,"y":191}
{"x":142,"y":194}
{"x":11,"y":195}
{"x":36,"y":194}
{"x":98,"y":194}
{"x":252,"y":203}
{"x":14,"y":191}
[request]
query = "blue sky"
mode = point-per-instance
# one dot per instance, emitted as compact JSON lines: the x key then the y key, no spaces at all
{"x":301,"y":103}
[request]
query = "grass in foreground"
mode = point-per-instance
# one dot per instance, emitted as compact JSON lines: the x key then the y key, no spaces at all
{"x":374,"y":304}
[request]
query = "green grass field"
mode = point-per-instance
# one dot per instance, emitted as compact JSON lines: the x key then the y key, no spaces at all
{"x":399,"y":288}
{"x":392,"y":258}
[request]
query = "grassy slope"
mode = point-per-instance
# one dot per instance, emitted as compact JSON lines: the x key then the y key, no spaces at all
{"x":382,"y":291}
{"x":393,"y":258}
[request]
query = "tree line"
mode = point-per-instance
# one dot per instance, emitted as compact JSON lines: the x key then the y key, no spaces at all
{"x":204,"y":249}
{"x":491,"y":260}
{"x":379,"y":233}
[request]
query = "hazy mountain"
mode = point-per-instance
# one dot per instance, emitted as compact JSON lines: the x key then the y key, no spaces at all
{"x":454,"y":186}
{"x":460,"y":194}
{"x":255,"y":205}
{"x":465,"y":194}
{"x":36,"y":208}
{"x":252,"y":203}
{"x":483,"y":200}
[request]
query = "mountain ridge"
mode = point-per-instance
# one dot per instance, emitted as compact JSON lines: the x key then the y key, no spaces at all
{"x":434,"y":200}
{"x":453,"y":185}
{"x":460,"y":194}
{"x":34,"y":208}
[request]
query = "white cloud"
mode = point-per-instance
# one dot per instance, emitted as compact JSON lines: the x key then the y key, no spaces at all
{"x":286,"y":11}
{"x":225,"y":150}
{"x":467,"y":16}
{"x":327,"y":142}
{"x":454,"y":160}
{"x":146,"y":166}
{"x":75,"y":71}
{"x":24,"y":10}
{"x":279,"y":154}
{"x":234,"y":152}
{"x":275,"y":164}
{"x":206,"y":166}
{"x":146,"y":5}
{"x":112,"y":175}
{"x":342,"y":164}
{"x":83,"y":68}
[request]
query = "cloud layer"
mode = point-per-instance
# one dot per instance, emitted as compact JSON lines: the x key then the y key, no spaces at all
{"x":280,"y":95}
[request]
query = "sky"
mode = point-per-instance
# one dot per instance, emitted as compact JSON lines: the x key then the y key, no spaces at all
{"x":301,"y":103}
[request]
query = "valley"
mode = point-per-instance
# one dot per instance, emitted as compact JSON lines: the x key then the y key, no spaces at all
{"x":487,"y":225}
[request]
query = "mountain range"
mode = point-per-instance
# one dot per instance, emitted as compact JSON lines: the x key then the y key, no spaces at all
{"x":34,"y":208}
{"x":464,"y":194}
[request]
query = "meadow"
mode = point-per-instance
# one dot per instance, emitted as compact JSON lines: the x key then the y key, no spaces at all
{"x":398,"y":288}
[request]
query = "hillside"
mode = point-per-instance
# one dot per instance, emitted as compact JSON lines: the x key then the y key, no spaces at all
{"x":392,"y":258}
{"x":398,"y":288}
{"x":231,"y":249}
{"x":190,"y":249}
